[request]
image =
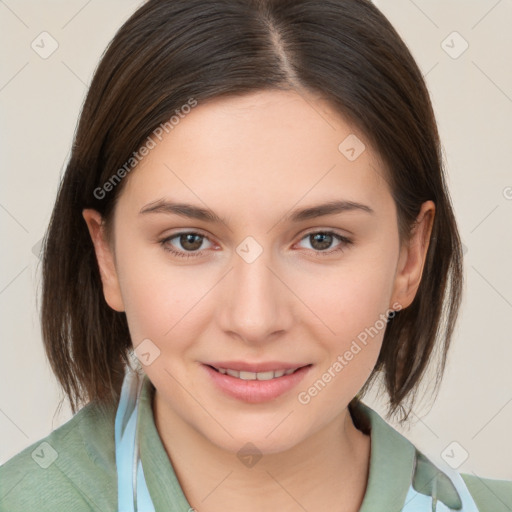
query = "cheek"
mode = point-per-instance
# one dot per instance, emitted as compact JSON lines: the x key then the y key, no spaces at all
{"x":161,"y":300}
{"x":354,"y":295}
{"x":353,"y":303}
{"x":145,"y":289}
{"x":354,"y":307}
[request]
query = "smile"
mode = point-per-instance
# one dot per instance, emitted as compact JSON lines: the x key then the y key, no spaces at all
{"x":255,"y":383}
{"x":243,"y":375}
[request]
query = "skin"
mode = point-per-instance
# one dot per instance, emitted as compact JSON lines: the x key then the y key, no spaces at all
{"x":252,"y":159}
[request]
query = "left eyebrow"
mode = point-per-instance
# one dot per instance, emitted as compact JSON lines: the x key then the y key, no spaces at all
{"x":329,"y":208}
{"x":205,"y":214}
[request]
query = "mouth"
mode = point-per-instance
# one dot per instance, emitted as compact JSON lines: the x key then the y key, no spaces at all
{"x":255,"y":383}
{"x":247,"y":375}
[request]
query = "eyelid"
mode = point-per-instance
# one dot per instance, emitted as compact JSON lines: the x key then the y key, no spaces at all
{"x":338,"y":232}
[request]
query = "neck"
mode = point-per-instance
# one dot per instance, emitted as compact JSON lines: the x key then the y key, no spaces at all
{"x":326,"y":471}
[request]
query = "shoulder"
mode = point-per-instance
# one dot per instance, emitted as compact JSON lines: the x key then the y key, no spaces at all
{"x":490,"y":495}
{"x":71,"y":469}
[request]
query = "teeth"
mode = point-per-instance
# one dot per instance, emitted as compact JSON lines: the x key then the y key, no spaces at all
{"x":265,"y":375}
{"x":256,"y":376}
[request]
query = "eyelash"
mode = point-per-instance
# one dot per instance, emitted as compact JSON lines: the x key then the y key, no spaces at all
{"x":165,"y":244}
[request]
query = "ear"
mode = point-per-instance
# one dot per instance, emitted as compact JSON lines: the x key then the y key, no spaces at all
{"x":105,"y":258}
{"x":412,"y":257}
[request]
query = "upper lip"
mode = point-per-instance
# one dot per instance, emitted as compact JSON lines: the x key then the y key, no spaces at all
{"x":244,"y":366}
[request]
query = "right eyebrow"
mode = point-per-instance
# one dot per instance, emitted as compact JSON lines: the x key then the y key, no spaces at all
{"x":182,"y":209}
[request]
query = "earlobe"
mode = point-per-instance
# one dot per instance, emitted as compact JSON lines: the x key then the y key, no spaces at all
{"x":105,"y":259}
{"x":413,"y":256}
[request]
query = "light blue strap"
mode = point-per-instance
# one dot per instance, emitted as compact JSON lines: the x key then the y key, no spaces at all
{"x":468,"y":504}
{"x":144,"y":501}
{"x":418,"y":502}
{"x":130,"y":474}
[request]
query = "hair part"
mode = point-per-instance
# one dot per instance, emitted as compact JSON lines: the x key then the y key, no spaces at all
{"x":167,"y":52}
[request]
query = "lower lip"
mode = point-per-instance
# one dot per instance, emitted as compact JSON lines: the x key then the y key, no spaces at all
{"x":256,"y":391}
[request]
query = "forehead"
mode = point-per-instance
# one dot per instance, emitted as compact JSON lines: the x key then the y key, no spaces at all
{"x":260,"y":150}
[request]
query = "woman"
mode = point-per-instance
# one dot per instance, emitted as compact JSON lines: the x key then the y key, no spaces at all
{"x":255,"y":203}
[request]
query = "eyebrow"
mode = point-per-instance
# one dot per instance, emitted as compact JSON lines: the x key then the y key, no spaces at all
{"x":205,"y":214}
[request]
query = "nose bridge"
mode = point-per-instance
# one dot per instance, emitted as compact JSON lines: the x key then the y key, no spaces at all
{"x":256,"y":305}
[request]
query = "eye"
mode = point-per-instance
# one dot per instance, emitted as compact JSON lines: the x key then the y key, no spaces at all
{"x":190,"y":241}
{"x":321,"y":241}
{"x":187,"y":244}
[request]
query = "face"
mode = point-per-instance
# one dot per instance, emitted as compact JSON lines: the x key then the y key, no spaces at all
{"x":258,"y":286}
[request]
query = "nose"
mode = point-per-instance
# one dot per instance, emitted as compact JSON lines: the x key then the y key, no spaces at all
{"x":255,"y":304}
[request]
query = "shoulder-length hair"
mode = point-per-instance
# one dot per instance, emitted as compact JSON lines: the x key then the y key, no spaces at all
{"x":170,"y":51}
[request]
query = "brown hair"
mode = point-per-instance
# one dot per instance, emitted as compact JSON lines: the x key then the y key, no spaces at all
{"x":170,"y":51}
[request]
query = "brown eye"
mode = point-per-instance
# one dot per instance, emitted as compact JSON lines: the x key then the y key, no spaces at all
{"x":190,"y":241}
{"x":187,"y":244}
{"x":321,"y":241}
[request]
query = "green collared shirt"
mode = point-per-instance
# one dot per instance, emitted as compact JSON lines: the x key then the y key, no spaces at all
{"x":73,"y":469}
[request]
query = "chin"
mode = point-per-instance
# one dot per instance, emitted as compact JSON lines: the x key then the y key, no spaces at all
{"x":262,"y":439}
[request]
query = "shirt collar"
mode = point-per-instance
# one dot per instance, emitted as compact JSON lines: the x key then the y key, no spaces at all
{"x":392,"y":462}
{"x":395,"y":463}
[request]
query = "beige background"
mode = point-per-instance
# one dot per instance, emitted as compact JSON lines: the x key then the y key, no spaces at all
{"x":472,"y":95}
